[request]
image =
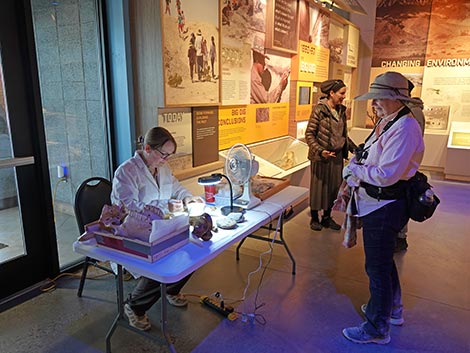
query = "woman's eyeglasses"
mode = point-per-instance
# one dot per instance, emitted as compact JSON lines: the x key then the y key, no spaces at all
{"x":164,"y":155}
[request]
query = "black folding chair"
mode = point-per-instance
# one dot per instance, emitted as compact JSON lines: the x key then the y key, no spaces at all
{"x":90,"y":198}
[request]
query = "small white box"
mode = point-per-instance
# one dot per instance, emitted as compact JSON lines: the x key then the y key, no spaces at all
{"x":222,"y":200}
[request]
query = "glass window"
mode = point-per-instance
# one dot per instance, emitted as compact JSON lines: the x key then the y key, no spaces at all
{"x":68,"y":45}
{"x":12,"y":243}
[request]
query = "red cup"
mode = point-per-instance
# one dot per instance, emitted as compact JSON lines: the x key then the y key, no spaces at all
{"x":209,"y":192}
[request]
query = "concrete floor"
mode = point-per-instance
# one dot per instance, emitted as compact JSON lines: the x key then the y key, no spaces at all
{"x":304,"y":313}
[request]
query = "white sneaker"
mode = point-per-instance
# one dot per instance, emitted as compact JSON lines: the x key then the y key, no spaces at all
{"x":177,"y":300}
{"x":139,"y":322}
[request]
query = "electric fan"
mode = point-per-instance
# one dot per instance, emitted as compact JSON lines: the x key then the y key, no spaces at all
{"x":240,"y":166}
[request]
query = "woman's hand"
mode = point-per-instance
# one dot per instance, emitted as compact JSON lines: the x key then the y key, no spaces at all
{"x":327,"y":154}
{"x":190,"y":199}
{"x":349,"y":177}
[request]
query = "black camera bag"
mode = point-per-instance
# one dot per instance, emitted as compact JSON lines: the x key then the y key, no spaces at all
{"x":418,"y":210}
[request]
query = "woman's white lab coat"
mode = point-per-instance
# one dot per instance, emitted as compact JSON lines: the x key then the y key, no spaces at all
{"x":134,"y":185}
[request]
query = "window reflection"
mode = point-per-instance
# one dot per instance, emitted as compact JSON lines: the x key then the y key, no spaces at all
{"x":68,"y":46}
{"x":11,"y":234}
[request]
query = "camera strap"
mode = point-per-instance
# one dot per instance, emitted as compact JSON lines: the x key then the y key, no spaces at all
{"x":405,"y":110}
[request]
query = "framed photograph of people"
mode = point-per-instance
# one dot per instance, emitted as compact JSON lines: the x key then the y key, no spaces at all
{"x":190,"y":52}
{"x":282,"y":25}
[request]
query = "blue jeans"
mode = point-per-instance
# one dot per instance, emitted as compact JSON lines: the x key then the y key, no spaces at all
{"x":380,"y":230}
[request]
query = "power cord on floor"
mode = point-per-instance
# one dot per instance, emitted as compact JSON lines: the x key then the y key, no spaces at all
{"x":253,"y":316}
{"x":51,"y":283}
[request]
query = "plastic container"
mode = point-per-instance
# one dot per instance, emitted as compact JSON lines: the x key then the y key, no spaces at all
{"x":209,"y":193}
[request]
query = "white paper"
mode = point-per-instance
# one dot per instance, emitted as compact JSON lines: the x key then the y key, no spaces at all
{"x":166,"y":228}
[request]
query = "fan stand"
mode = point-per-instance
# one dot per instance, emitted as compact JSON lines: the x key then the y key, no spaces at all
{"x":247,"y":200}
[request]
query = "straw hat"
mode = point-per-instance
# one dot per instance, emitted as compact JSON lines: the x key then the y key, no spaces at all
{"x":389,"y":85}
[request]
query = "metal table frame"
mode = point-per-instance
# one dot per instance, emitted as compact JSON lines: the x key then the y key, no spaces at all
{"x":285,"y":215}
{"x":189,"y":258}
{"x":122,"y":321}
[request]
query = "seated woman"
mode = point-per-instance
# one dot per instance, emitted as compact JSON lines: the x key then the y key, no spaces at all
{"x":145,"y":179}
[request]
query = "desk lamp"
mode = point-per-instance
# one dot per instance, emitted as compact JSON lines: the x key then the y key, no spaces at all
{"x":215,"y":179}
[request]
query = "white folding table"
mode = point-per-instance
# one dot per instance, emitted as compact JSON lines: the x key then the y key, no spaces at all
{"x":187,"y":259}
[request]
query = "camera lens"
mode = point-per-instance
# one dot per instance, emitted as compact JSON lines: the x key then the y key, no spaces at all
{"x":360,"y":153}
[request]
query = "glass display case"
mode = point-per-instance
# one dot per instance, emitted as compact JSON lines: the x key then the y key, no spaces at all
{"x":458,"y":151}
{"x":279,"y":157}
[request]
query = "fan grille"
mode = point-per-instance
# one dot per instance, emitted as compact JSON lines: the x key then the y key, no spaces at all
{"x":238,"y":164}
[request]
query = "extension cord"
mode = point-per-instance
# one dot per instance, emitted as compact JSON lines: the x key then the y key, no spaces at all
{"x":226,"y":311}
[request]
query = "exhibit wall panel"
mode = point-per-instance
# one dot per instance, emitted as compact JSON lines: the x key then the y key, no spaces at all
{"x":190,"y":79}
{"x":428,"y":43}
{"x":435,"y":151}
{"x":162,"y":34}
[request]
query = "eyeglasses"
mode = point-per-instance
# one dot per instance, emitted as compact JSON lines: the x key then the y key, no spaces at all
{"x":164,"y":155}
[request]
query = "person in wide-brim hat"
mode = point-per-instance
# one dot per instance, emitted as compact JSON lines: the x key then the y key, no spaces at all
{"x":389,"y":85}
{"x":378,"y":175}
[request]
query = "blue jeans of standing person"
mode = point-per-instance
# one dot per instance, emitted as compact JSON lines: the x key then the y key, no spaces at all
{"x":380,"y":230}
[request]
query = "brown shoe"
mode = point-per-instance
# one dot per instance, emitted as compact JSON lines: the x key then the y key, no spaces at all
{"x":315,"y":225}
{"x":328,"y":222}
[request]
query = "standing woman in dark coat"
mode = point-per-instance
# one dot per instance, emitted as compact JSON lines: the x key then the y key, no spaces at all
{"x":328,"y":142}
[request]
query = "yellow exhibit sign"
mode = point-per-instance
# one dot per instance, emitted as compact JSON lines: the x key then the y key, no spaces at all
{"x":311,"y":63}
{"x":252,"y":123}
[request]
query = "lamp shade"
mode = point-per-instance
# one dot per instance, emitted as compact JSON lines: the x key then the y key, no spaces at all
{"x":215,"y":179}
{"x":210,"y":180}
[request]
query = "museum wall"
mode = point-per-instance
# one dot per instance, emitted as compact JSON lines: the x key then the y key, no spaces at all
{"x":427,"y":41}
{"x":168,"y":87}
{"x":301,"y":44}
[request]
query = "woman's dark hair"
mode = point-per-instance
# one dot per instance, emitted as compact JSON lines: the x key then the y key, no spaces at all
{"x":331,"y":85}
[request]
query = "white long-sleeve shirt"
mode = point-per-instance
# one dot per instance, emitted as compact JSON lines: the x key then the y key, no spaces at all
{"x":134,"y":185}
{"x":396,"y":155}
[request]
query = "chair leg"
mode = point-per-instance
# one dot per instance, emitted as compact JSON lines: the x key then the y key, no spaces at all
{"x":82,"y":279}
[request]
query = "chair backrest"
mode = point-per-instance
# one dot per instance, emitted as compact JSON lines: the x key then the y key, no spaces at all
{"x":90,"y":198}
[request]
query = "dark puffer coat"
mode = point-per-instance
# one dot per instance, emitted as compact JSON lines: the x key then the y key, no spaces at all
{"x":319,"y":131}
{"x":326,"y":173}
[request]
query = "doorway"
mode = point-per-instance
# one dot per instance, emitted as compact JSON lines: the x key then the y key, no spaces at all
{"x":26,"y":228}
{"x":53,"y":132}
{"x":69,"y":50}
